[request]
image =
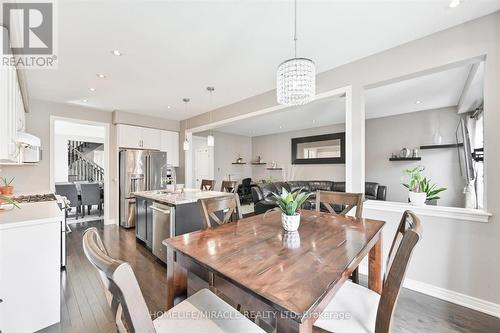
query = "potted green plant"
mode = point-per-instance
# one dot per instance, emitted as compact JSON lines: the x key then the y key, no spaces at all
{"x":7,"y":188}
{"x":421,"y":191}
{"x":432,"y":191}
{"x":413,"y":179}
{"x":289,"y":203}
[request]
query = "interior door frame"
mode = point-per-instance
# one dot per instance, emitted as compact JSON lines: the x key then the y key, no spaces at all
{"x":107,"y":152}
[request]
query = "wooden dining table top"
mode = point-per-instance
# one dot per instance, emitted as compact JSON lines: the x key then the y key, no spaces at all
{"x":293,"y":275}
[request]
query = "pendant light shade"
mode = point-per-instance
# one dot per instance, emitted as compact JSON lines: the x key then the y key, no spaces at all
{"x":210,"y":140}
{"x":296,"y":77}
{"x":186,"y":142}
{"x":296,"y":82}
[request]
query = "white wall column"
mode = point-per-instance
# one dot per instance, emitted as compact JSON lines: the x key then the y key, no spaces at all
{"x":355,"y":139}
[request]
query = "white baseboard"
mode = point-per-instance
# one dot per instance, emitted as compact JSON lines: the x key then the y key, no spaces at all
{"x":474,"y":303}
{"x":451,"y":296}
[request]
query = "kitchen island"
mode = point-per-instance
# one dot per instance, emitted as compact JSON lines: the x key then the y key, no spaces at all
{"x":30,"y":266}
{"x":163,"y":214}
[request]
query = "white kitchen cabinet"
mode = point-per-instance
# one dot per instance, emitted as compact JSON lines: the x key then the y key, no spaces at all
{"x":151,"y":138}
{"x":129,"y":136}
{"x":12,"y":119}
{"x":30,"y":276}
{"x":170,"y":144}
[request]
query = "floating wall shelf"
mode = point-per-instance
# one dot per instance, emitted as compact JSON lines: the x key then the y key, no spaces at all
{"x":405,"y":159}
{"x":259,"y":163}
{"x":451,"y":145}
{"x":274,"y":168}
{"x":238,"y":163}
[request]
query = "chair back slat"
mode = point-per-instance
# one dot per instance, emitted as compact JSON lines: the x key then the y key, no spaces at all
{"x":407,"y":236}
{"x":121,"y":283}
{"x":212,"y":209}
{"x":228,"y":186}
{"x":347,"y":200}
{"x":207,"y":185}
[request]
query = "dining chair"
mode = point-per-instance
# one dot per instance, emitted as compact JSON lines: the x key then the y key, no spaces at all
{"x":69,"y":191}
{"x":90,"y":195}
{"x":125,"y":297}
{"x":228,"y":186}
{"x":345,"y":203}
{"x":220,"y":210}
{"x":369,"y":311}
{"x":207,"y":185}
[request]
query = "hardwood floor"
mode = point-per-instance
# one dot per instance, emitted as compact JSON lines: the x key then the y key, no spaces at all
{"x":84,"y":307}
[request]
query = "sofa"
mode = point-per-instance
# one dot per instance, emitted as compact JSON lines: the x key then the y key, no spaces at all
{"x":263,"y":199}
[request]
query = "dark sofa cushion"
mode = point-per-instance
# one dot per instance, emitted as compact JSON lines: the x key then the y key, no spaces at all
{"x":267,"y":190}
{"x":320,"y":185}
{"x":299,"y":185}
{"x":371,"y":190}
{"x":338,"y":187}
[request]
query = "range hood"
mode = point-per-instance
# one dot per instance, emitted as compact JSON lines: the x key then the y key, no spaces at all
{"x":27,"y":139}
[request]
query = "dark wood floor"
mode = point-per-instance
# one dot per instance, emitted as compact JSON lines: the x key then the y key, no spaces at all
{"x":84,"y":307}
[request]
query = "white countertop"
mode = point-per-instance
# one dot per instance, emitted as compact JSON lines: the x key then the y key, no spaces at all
{"x":31,"y":214}
{"x":178,"y":197}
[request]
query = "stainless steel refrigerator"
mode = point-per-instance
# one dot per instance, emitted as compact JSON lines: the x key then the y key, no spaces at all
{"x":140,"y":170}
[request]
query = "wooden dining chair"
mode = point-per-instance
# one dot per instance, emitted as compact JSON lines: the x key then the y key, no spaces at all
{"x":125,"y":297}
{"x":228,"y":186}
{"x":346,"y":202}
{"x":369,"y":311}
{"x":220,"y":210}
{"x":207,"y":185}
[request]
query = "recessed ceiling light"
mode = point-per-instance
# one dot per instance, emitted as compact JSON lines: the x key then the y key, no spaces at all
{"x":101,"y":76}
{"x":454,"y":3}
{"x":92,"y":89}
{"x":168,"y":107}
{"x":281,"y":126}
{"x":116,"y":53}
{"x":85,"y":100}
{"x":418,"y":102}
{"x":314,"y":121}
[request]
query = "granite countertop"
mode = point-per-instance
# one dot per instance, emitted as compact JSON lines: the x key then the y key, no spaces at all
{"x":179,"y":197}
{"x":31,"y":214}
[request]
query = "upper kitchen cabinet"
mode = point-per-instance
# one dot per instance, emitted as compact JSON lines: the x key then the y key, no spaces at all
{"x":12,"y":118}
{"x":138,"y":137}
{"x":170,"y":144}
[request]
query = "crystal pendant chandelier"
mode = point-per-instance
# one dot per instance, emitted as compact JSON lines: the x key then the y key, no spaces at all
{"x":210,"y":137}
{"x":296,"y":77}
{"x":186,"y":142}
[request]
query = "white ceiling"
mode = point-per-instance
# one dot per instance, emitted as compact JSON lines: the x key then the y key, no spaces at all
{"x":438,"y":90}
{"x":174,"y":49}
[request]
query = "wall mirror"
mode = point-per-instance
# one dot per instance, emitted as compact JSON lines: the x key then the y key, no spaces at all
{"x":319,"y":149}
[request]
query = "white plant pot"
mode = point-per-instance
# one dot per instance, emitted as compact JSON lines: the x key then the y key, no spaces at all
{"x":290,"y":223}
{"x":417,"y":198}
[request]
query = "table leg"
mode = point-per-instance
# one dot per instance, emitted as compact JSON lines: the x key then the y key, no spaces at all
{"x":375,"y":267}
{"x":176,"y":279}
{"x":288,"y":325}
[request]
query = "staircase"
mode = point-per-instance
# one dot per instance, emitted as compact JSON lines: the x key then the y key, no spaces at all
{"x":81,"y":168}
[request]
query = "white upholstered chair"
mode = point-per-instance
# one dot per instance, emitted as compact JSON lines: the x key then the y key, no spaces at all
{"x":188,"y":316}
{"x":356,"y":309}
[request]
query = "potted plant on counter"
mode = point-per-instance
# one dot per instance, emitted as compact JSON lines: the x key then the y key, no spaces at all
{"x":420,"y":190}
{"x":7,"y":188}
{"x":289,"y":203}
{"x":414,"y":177}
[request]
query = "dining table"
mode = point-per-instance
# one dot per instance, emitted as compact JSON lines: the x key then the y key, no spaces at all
{"x":287,"y":278}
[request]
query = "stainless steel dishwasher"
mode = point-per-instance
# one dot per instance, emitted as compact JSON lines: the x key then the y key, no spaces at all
{"x":163,"y":228}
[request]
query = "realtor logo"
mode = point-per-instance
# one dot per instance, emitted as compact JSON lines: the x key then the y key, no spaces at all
{"x":36,"y":27}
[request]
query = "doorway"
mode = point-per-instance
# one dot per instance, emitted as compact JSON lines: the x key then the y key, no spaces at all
{"x":203,"y":161}
{"x":79,"y":163}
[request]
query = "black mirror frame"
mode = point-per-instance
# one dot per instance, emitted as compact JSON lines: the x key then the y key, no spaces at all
{"x":314,"y":138}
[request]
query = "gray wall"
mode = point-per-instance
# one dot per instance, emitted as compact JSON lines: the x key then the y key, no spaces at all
{"x":411,"y":130}
{"x":225,"y":153}
{"x":277,"y":148}
{"x":466,"y":252}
